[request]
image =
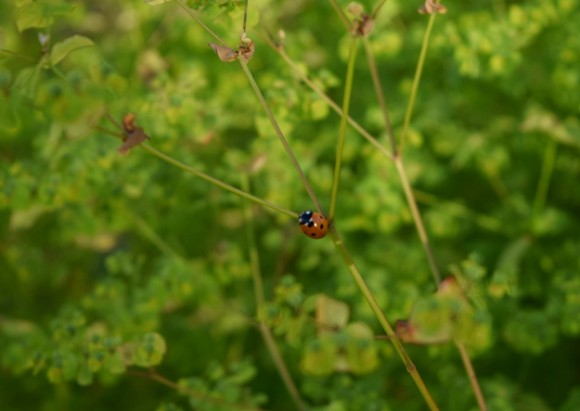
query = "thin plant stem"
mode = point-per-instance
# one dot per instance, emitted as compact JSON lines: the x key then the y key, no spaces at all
{"x":415,"y":210}
{"x":303,"y":77}
{"x":253,"y":252}
{"x":379,"y":93}
{"x":397,"y":158}
{"x":204,"y":176}
{"x":341,"y":13}
{"x":417,"y":218}
{"x":343,"y":122}
{"x":199,"y":21}
{"x":151,"y":235}
{"x":377,"y":8}
{"x":217,"y":182}
{"x":471,"y":375}
{"x":545,"y":176}
{"x":496,"y":183}
{"x":152,"y":375}
{"x":15,"y":54}
{"x":259,"y":296}
{"x":245,"y":16}
{"x":281,"y":366}
{"x":280,"y":134}
{"x":416,"y":80}
{"x":369,"y":297}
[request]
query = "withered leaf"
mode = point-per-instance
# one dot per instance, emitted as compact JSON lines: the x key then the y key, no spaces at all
{"x":224,"y":53}
{"x":432,"y":7}
{"x":132,"y":139}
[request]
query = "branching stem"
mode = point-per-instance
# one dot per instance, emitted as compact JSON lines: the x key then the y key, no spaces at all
{"x":280,"y":134}
{"x":217,"y":182}
{"x":343,"y":123}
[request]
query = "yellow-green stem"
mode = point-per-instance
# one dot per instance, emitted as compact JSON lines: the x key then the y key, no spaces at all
{"x":217,"y":182}
{"x":199,"y":395}
{"x":245,"y":16}
{"x":379,"y":93}
{"x":341,"y":13}
{"x":365,"y":134}
{"x":416,"y":80}
{"x":281,"y":365}
{"x":378,"y":8}
{"x":471,"y":375}
{"x":545,"y":176}
{"x":253,"y":251}
{"x":259,"y":296}
{"x":343,"y":122}
{"x":415,"y":210}
{"x":151,"y":235}
{"x":369,"y":297}
{"x":199,"y":21}
{"x":417,"y":218}
{"x":280,"y":134}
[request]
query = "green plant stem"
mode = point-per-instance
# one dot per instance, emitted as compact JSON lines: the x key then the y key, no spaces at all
{"x":245,"y":16}
{"x":151,"y":235}
{"x":152,"y":375}
{"x":379,"y":93}
{"x":341,"y":13}
{"x":300,"y":73}
{"x":281,"y":366}
{"x":545,"y":177}
{"x":415,"y":210}
{"x":417,"y":218}
{"x":259,"y":295}
{"x":253,"y":252}
{"x":199,"y":21}
{"x":369,"y":297}
{"x":343,"y":122}
{"x":19,"y":55}
{"x":280,"y":134}
{"x":398,"y":160}
{"x":217,"y":182}
{"x":378,"y":8}
{"x":416,"y":80}
{"x":471,"y":375}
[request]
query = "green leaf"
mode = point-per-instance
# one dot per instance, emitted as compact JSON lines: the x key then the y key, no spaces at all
{"x":84,"y":375}
{"x":26,"y":82}
{"x":331,"y":313}
{"x":63,"y":48}
{"x":319,"y":357}
{"x":31,"y":15}
{"x":361,"y":351}
{"x":114,"y":363}
{"x":150,"y":350}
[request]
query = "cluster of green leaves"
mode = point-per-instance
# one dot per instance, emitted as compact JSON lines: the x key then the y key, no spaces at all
{"x":111,"y":265}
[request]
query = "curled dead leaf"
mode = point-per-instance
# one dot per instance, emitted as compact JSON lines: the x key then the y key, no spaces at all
{"x":363,"y":26}
{"x":224,"y":53}
{"x":247,"y":49}
{"x":134,"y":135}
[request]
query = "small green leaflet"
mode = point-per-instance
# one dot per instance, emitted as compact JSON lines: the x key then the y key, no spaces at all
{"x":62,"y":49}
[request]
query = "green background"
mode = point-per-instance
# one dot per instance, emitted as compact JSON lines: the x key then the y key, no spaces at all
{"x":110,"y":264}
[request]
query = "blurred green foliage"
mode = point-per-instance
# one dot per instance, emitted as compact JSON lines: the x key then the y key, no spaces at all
{"x":111,"y":265}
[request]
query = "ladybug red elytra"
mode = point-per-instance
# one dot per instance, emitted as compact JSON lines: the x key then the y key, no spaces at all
{"x":314,"y":225}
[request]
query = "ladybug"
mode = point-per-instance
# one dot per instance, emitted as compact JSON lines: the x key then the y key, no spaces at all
{"x":314,"y":225}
